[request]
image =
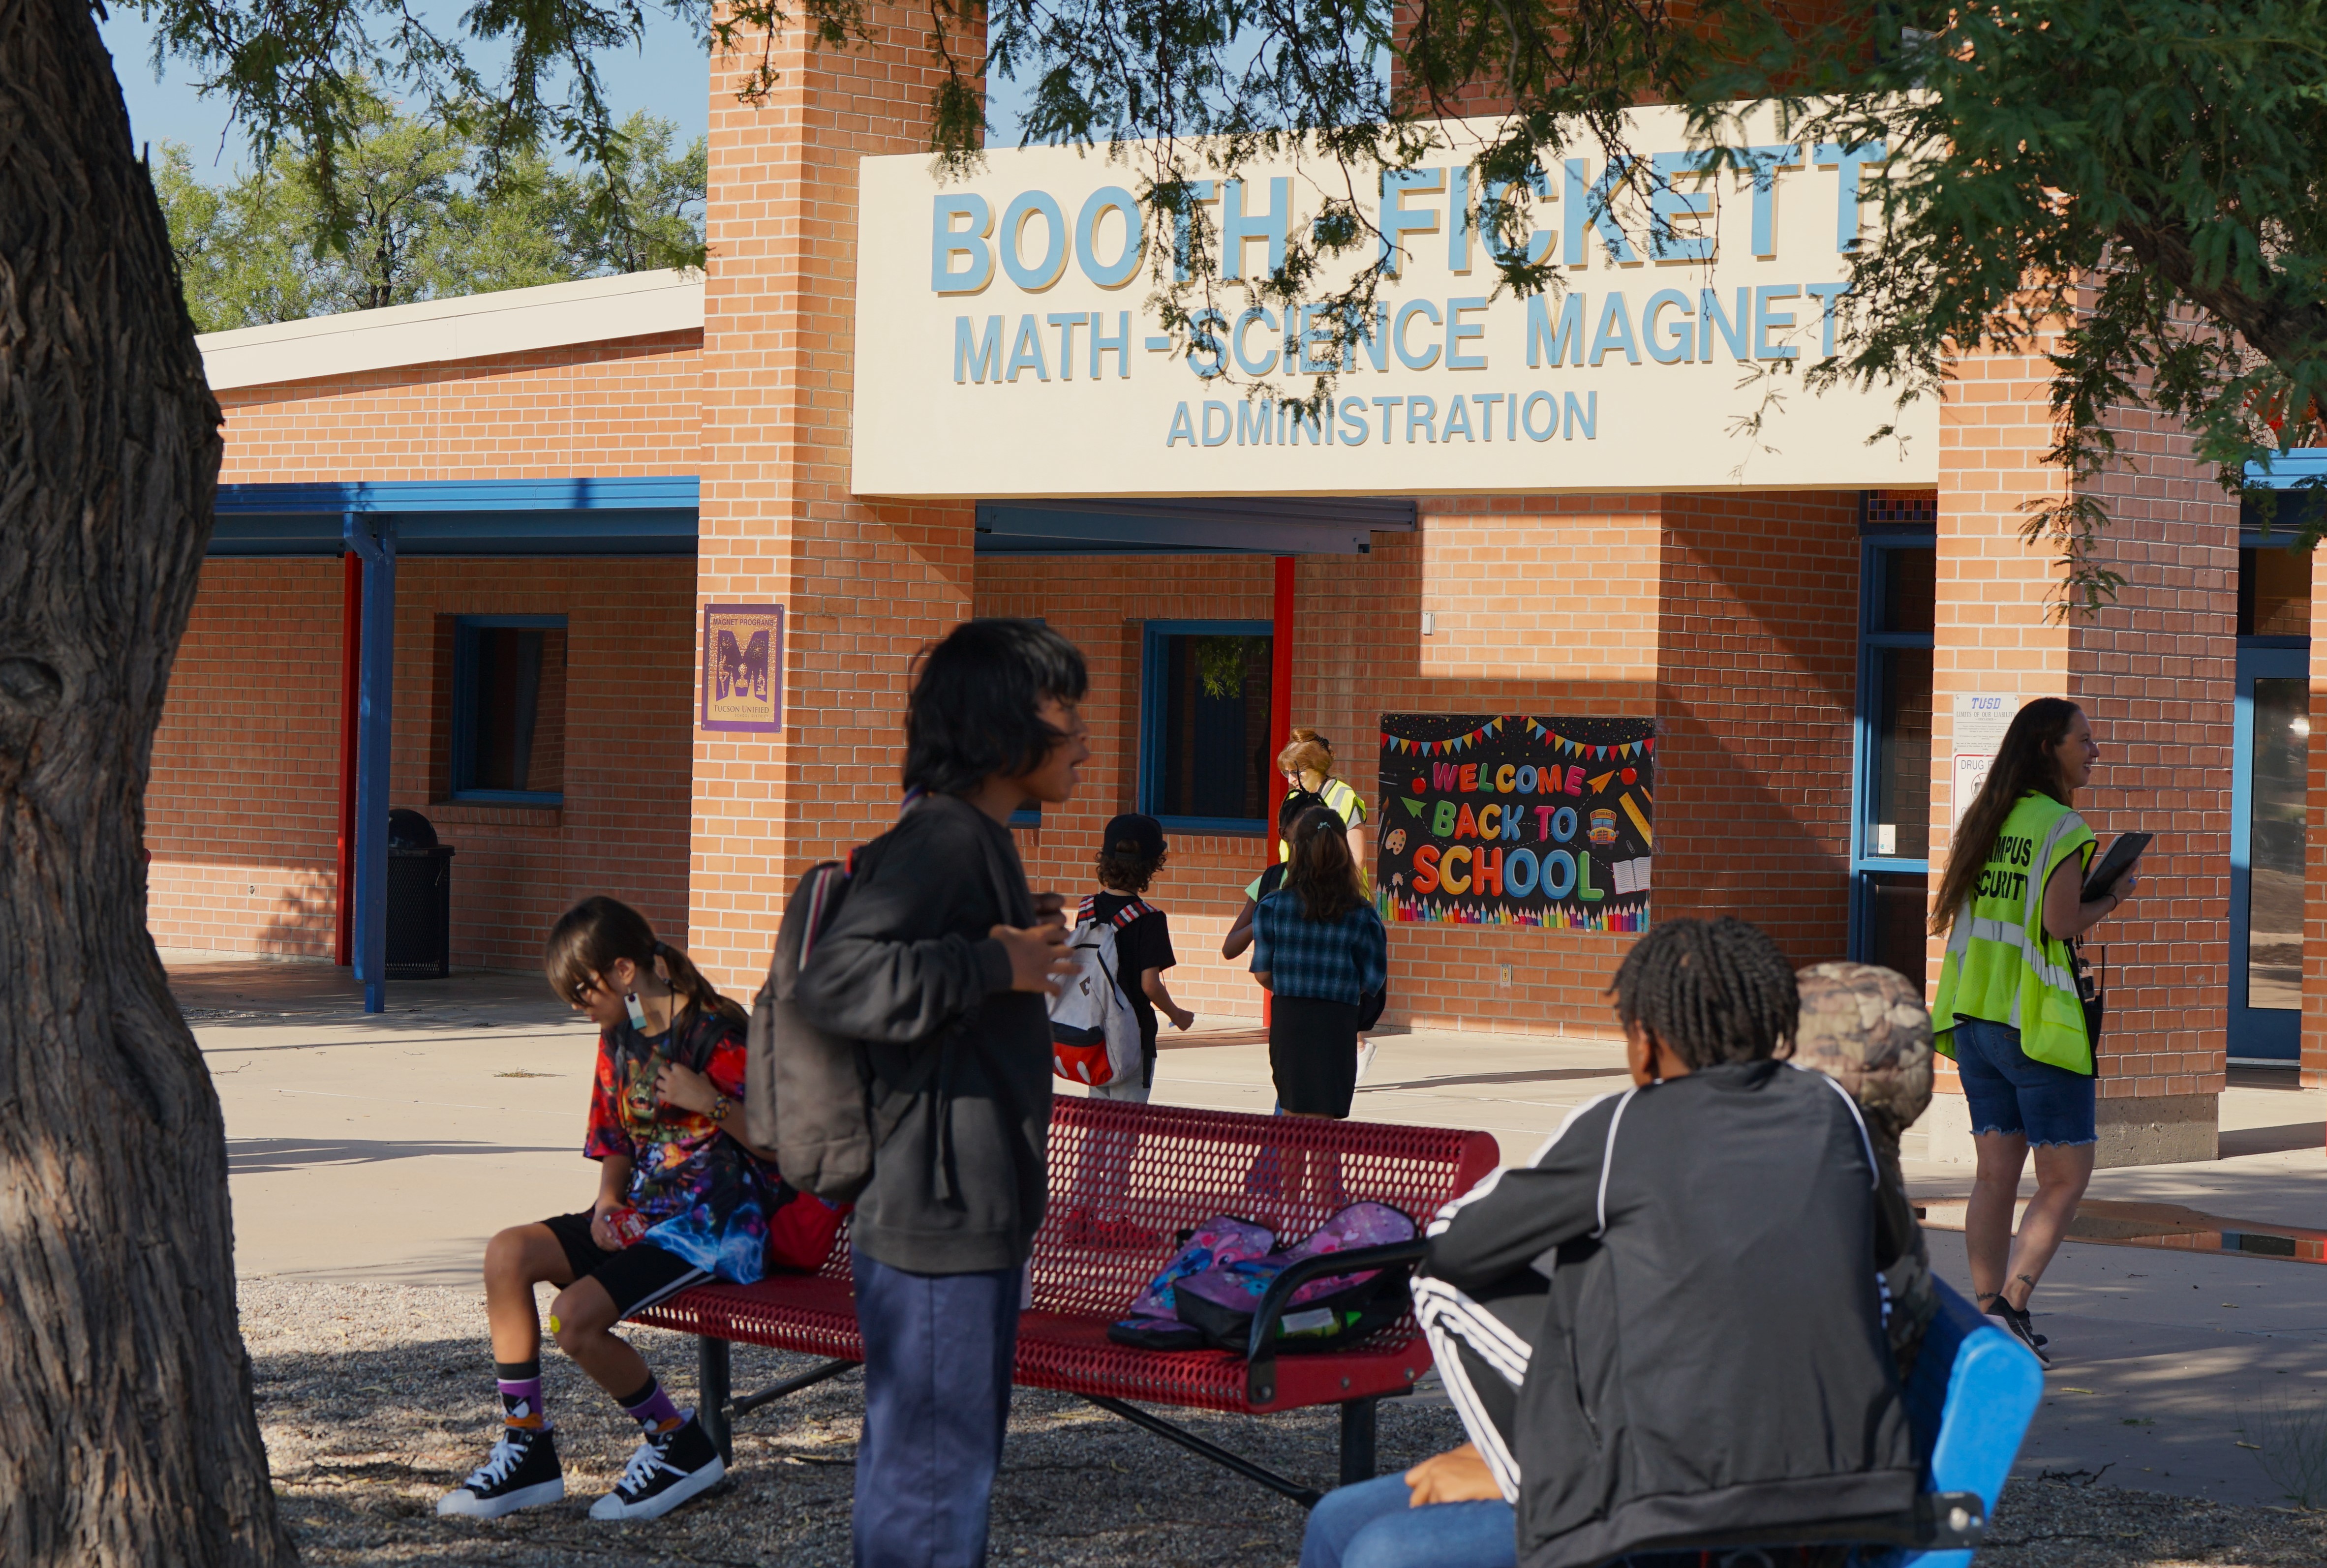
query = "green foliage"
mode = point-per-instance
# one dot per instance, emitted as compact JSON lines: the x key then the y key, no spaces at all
{"x":427,"y":220}
{"x":2131,"y":188}
{"x":1222,"y":663}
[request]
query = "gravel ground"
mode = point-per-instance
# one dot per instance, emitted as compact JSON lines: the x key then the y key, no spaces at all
{"x":376,"y":1399}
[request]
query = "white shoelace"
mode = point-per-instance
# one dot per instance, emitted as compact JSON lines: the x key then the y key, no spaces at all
{"x":645,"y":1460}
{"x":506,"y":1457}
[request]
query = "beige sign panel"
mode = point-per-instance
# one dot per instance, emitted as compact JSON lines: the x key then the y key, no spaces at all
{"x":1008,"y":342}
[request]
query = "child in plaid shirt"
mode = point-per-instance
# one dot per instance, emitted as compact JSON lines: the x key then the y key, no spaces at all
{"x":1319,"y":948}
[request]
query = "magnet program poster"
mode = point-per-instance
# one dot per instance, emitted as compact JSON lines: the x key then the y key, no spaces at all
{"x":1514,"y":820}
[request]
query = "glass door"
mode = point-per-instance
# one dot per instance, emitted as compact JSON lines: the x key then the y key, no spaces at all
{"x":1891,"y":828}
{"x":2269,"y":787}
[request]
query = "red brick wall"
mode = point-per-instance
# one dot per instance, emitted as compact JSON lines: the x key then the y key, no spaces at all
{"x":241,"y":812}
{"x":865,"y":584}
{"x":621,"y":409}
{"x":1757,"y":685}
{"x":630,"y":678}
{"x":1575,"y":606}
{"x":2156,"y":673}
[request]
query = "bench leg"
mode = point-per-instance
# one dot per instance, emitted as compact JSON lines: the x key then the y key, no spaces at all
{"x":711,"y":1395}
{"x":1357,"y":1457}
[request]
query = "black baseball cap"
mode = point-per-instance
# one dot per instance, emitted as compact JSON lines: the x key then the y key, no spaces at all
{"x":1139,"y":830}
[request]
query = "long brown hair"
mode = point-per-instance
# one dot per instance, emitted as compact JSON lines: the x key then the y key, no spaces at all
{"x":2025,"y":764}
{"x":592,"y":934}
{"x":1321,"y":874}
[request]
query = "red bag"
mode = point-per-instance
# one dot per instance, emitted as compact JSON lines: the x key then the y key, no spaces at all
{"x":800,"y":1233}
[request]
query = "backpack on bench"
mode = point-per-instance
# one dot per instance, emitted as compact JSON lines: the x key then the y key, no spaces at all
{"x":1213,"y":1287}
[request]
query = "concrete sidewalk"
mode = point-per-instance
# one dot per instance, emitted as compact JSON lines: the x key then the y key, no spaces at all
{"x":389,"y":1148}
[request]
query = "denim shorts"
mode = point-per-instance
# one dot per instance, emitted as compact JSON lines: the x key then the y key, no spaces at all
{"x":2011,"y":1094}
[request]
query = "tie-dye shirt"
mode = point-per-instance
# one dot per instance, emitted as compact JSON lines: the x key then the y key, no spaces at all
{"x":704,"y":1197}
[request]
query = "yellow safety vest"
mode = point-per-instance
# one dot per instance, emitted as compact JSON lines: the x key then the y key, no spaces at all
{"x":2001,"y":965}
{"x":1343,"y":802}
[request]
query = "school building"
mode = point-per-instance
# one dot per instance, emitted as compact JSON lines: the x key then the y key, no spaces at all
{"x":618,"y":582}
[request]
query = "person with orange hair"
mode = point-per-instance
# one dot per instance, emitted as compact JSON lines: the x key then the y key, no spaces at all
{"x":1307,"y":764}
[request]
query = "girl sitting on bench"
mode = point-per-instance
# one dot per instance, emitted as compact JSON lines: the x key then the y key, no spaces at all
{"x":681,"y":1199}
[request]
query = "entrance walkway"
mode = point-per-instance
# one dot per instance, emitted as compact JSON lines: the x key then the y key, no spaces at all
{"x":387,"y":1148}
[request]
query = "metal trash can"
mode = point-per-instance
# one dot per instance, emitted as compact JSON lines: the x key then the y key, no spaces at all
{"x":419,"y":899}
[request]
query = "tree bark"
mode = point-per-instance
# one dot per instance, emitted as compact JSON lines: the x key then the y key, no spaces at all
{"x":127,"y":1429}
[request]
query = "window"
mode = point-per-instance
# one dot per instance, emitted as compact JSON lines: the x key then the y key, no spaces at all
{"x":1205,"y":727}
{"x":509,"y":709}
{"x":1891,"y":833}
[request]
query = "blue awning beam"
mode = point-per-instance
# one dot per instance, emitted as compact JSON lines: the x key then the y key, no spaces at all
{"x":1261,"y":525}
{"x":655,"y":516}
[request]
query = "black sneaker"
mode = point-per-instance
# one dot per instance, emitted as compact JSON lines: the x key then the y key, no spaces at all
{"x":668,"y":1468}
{"x":2022,"y":1326}
{"x":2003,"y":1309}
{"x":520,"y":1472}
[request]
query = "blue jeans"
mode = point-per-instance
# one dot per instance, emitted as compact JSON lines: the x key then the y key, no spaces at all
{"x":1374,"y":1525}
{"x":938,"y":1354}
{"x":2008,"y":1092}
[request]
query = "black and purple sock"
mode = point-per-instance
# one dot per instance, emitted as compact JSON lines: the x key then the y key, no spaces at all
{"x":651,"y":1408}
{"x":522,"y":1401}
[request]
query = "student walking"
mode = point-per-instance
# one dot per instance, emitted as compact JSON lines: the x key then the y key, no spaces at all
{"x":1272,"y":876}
{"x":1320,"y":949}
{"x":1307,"y":764}
{"x":938,"y":961}
{"x":1131,"y":851}
{"x":2008,"y":1008}
{"x":681,"y":1199}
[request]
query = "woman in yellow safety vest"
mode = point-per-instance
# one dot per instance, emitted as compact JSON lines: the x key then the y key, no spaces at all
{"x":1308,"y":764}
{"x":2008,"y":1010}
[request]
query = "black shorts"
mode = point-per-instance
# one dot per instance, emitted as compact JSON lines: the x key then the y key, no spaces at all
{"x":636,"y":1277}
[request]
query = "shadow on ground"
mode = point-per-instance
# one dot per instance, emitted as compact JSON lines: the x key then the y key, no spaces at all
{"x":376,"y":1399}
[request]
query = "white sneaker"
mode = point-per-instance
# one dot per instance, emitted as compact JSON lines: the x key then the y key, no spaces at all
{"x":1365,"y":1049}
{"x":521,"y":1472}
{"x":664,"y":1471}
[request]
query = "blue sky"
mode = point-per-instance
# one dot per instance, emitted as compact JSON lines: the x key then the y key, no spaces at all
{"x":668,"y":77}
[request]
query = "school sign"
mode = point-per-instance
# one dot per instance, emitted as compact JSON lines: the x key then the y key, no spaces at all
{"x":1007,"y":342}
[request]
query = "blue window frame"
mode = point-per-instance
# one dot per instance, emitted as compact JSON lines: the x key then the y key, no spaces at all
{"x":2269,"y":799}
{"x":1891,"y":762}
{"x":508,"y":710}
{"x":1205,"y":725}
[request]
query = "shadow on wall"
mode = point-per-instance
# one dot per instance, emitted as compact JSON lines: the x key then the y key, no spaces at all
{"x":234,"y":905}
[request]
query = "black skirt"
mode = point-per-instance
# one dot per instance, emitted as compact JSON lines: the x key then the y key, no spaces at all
{"x":1313,"y":1050}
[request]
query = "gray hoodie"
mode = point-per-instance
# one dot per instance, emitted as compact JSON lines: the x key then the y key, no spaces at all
{"x":961,"y":1063}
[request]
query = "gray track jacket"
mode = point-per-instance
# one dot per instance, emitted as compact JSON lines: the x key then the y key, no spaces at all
{"x":961,"y":1063}
{"x":1710,"y":1367}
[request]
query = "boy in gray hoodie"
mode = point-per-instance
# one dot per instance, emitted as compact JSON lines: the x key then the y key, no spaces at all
{"x":939,"y":961}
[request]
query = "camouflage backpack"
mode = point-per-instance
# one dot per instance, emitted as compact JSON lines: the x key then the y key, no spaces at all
{"x":1866,"y":1028}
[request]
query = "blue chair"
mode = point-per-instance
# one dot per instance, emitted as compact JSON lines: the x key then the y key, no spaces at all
{"x":1974,"y":1390}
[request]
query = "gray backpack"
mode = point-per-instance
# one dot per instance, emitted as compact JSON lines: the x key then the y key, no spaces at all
{"x":808,"y":1095}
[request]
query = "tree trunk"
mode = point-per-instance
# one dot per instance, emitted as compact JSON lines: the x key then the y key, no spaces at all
{"x":127,"y":1431}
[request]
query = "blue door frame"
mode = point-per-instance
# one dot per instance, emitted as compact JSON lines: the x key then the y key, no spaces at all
{"x":2256,"y":1034}
{"x":1865,"y":862}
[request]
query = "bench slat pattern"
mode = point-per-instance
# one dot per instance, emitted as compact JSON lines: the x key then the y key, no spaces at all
{"x":1124,"y":1181}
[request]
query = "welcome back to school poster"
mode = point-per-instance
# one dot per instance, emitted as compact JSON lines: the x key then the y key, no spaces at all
{"x":1516,"y":820}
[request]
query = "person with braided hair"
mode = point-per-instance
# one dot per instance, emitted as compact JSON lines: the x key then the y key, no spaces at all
{"x":1667,"y":1329}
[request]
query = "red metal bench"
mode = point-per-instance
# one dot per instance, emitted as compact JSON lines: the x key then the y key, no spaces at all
{"x":1183,"y":1165}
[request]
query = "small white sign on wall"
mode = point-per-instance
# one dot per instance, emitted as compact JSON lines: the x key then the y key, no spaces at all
{"x":1981,"y":720}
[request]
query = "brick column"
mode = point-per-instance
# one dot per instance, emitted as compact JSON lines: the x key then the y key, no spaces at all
{"x":865,"y":585}
{"x":2155,"y":673}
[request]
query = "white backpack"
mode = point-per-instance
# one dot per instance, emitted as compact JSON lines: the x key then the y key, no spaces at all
{"x":1094,"y":1034}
